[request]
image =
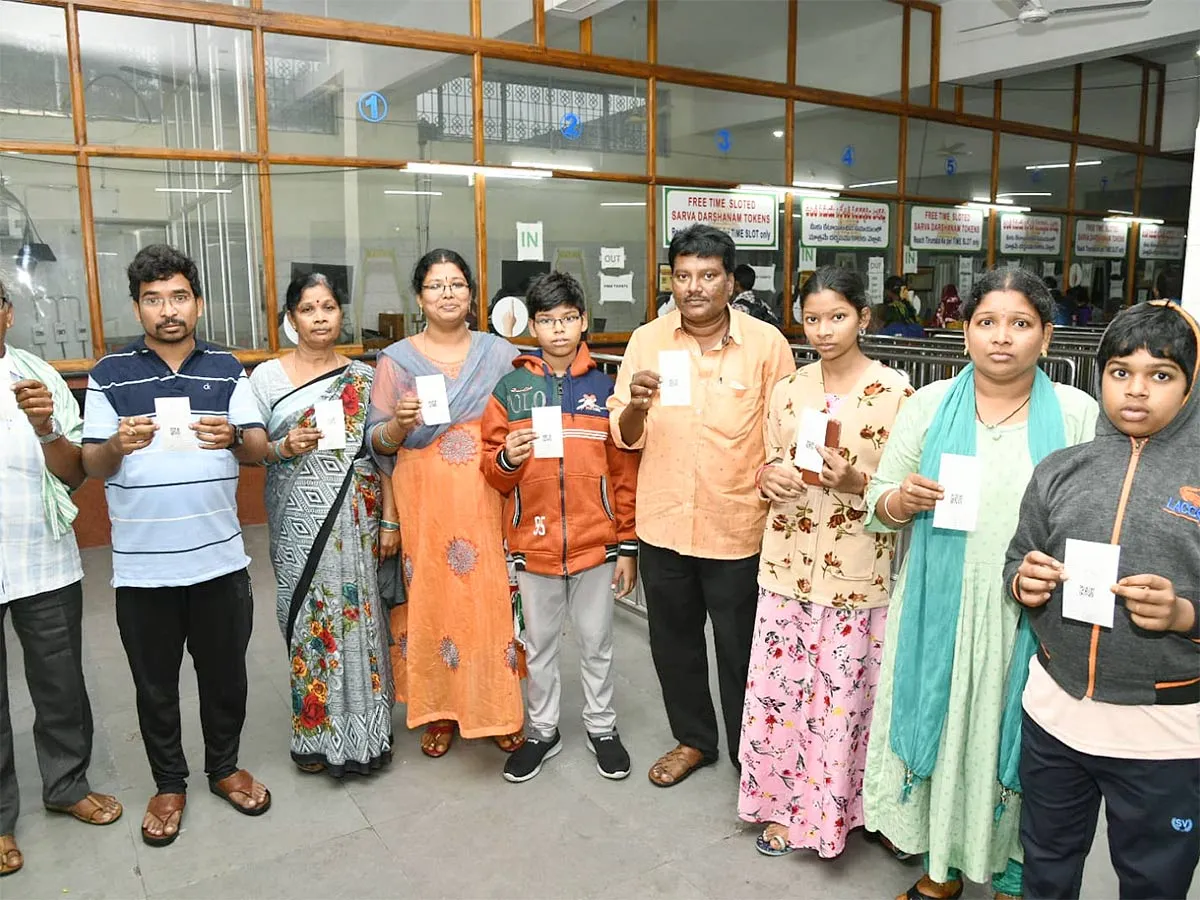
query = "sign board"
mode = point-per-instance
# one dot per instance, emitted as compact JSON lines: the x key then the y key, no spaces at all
{"x":750,"y":218}
{"x":1108,"y":239}
{"x":945,"y":228}
{"x":1030,"y":235}
{"x":844,"y":223}
{"x":1161,"y":241}
{"x":529,"y":241}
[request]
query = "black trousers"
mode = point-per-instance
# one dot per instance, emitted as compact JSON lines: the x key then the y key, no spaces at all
{"x":1153,"y":809}
{"x":213,"y":619}
{"x":681,"y":593}
{"x":50,"y":629}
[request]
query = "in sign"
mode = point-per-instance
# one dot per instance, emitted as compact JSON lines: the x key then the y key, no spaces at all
{"x":724,"y":140}
{"x":571,"y":127}
{"x":373,"y":106}
{"x":951,"y":165}
{"x":848,"y":156}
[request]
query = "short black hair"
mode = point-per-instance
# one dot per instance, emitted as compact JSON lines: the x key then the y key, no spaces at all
{"x":745,"y":277}
{"x":158,"y":262}
{"x":554,"y":289}
{"x":1050,"y":282}
{"x":1169,"y":284}
{"x":893,"y":284}
{"x":706,"y":242}
{"x":441,"y":255}
{"x":1020,"y":280}
{"x":838,"y":279}
{"x":302,"y":283}
{"x":1164,"y":331}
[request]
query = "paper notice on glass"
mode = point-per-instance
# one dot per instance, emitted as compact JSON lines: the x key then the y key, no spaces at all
{"x":910,"y":262}
{"x":810,"y":434}
{"x":966,"y":275}
{"x":547,"y":422}
{"x":808,"y":258}
{"x":612,"y":257}
{"x":1048,"y":269}
{"x":435,"y":407}
{"x":675,"y":378}
{"x":764,"y":278}
{"x":960,"y":477}
{"x":1091,"y":570}
{"x":173,"y":415}
{"x":529,"y":241}
{"x":331,"y":422}
{"x":616,"y":288}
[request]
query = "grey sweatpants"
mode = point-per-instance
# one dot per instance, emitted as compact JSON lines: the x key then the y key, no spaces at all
{"x":545,"y":601}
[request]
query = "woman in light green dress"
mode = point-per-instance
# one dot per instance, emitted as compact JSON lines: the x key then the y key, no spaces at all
{"x":941,"y":765}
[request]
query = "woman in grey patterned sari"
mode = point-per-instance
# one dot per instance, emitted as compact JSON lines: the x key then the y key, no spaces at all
{"x":341,"y":683}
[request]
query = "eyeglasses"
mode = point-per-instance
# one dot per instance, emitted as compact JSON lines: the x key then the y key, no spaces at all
{"x":439,"y":287}
{"x":154,"y":301}
{"x":548,"y":322}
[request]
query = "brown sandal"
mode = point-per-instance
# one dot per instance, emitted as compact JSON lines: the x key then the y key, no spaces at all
{"x":11,"y":860}
{"x":163,"y":807}
{"x":676,"y":765}
{"x":241,"y":782}
{"x":431,"y":740}
{"x":510,"y":743}
{"x":92,"y":809}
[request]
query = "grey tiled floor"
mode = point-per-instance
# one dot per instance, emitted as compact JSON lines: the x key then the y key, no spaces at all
{"x":421,"y":828}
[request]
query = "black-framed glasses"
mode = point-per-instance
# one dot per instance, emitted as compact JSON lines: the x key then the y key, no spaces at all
{"x":549,"y":321}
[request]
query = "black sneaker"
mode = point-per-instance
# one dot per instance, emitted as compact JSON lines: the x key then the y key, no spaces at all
{"x":612,"y":760}
{"x":526,"y":761}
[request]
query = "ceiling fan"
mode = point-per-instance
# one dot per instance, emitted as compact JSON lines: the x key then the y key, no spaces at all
{"x":1031,"y":12}
{"x":947,"y":151}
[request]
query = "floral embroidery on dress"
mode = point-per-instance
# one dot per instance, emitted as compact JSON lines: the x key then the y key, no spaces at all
{"x":408,"y":570}
{"x":458,"y":447}
{"x":402,"y":644}
{"x":462,"y":556}
{"x":448,"y":650}
{"x":510,"y":655}
{"x":871,"y":392}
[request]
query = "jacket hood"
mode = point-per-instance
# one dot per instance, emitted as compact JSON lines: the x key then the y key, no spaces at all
{"x":1187,"y":420}
{"x":533,"y":361}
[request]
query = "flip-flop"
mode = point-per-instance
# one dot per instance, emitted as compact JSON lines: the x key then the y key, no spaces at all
{"x":162,"y":840}
{"x":224,"y":788}
{"x":437,"y":730}
{"x":915,"y":893}
{"x":8,"y":847}
{"x":775,"y":845}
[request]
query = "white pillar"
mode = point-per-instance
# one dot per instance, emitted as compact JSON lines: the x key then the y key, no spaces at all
{"x":1191,"y":269}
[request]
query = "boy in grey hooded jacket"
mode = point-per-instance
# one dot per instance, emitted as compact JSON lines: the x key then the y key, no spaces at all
{"x":1114,"y":713}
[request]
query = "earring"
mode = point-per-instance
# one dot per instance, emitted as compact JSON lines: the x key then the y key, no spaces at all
{"x":862,"y":332}
{"x":966,"y":352}
{"x":1045,"y":353}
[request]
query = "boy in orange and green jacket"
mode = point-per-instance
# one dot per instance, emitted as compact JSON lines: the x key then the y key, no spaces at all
{"x":568,"y":521}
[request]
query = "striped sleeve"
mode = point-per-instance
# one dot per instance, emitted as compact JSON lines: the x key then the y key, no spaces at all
{"x":243,"y":407}
{"x":100,"y":420}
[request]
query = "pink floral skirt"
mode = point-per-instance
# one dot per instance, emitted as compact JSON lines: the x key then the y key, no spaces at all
{"x":809,"y":696}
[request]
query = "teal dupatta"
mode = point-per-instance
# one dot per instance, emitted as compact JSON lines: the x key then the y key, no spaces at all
{"x":933,"y":595}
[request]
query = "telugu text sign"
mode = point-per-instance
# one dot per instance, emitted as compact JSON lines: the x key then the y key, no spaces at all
{"x":945,"y":228}
{"x":750,"y":218}
{"x":1161,"y":241}
{"x":1099,"y":238}
{"x":844,"y":223}
{"x":1030,"y":235}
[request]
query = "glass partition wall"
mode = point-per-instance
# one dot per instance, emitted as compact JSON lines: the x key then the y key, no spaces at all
{"x":267,"y":138}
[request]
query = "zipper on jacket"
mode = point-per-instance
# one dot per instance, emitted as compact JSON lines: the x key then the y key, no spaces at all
{"x":516,"y":506}
{"x":1126,"y":489}
{"x":562,"y":500}
{"x":604,"y":498}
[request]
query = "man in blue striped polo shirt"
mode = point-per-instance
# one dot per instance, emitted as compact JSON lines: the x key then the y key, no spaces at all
{"x":179,"y":566}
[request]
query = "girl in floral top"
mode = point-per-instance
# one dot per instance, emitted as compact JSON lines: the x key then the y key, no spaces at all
{"x":823,"y":588}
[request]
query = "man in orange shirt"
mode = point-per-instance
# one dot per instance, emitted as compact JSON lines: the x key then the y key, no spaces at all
{"x":691,"y":395}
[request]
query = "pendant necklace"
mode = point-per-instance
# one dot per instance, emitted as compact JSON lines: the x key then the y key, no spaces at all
{"x":993,"y":427}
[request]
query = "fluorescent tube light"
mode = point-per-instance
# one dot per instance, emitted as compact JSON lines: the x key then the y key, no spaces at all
{"x":867,"y":184}
{"x":173,"y":190}
{"x":777,"y":133}
{"x":1121,"y":212}
{"x":414,"y":193}
{"x":625,"y":203}
{"x":1129,"y":220}
{"x":1024,"y":194}
{"x":987,"y":201}
{"x":1066,"y":165}
{"x":565,"y":167}
{"x":989,"y":207}
{"x":819,"y":185}
{"x":815,"y":193}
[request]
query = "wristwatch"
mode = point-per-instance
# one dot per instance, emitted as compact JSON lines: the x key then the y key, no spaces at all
{"x":52,"y":435}
{"x":238,"y":435}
